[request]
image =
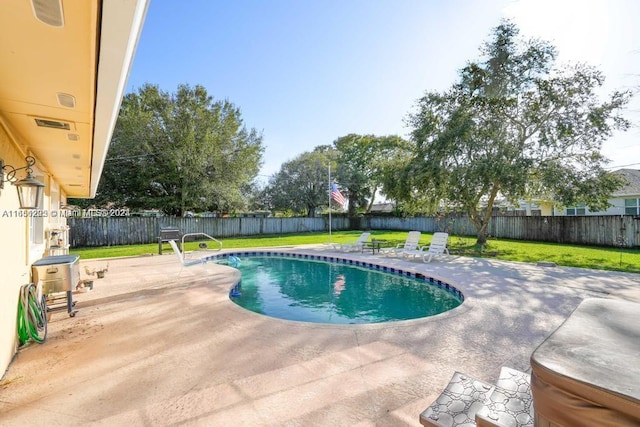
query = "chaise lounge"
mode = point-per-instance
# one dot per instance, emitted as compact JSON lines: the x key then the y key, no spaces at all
{"x":355,"y":246}
{"x":407,"y":249}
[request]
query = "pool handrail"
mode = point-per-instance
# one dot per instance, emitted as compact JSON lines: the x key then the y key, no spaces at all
{"x":201,"y":234}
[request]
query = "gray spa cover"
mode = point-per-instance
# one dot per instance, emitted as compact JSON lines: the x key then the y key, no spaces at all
{"x":588,"y":371}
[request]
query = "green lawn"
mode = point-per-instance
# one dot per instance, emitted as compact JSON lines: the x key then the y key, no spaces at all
{"x":508,"y":250}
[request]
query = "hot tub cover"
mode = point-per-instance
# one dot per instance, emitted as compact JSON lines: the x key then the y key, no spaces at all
{"x":589,"y":368}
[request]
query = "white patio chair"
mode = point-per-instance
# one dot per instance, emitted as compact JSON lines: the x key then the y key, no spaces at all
{"x":408,"y":248}
{"x":355,"y":246}
{"x":437,"y":247}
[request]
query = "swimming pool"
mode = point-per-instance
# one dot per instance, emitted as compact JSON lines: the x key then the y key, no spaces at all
{"x":337,"y":291}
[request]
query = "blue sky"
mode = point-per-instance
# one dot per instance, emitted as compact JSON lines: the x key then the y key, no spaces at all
{"x":305,"y":72}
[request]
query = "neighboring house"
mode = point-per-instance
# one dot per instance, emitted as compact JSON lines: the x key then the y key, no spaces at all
{"x":378,"y":208}
{"x":255,"y":214}
{"x":625,"y":201}
{"x":147,"y":213}
{"x":63,"y":74}
{"x":533,"y":207}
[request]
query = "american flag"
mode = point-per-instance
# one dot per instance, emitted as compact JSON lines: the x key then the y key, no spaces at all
{"x":337,"y":195}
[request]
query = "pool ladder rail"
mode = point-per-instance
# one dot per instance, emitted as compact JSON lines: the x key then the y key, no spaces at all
{"x":202,"y":245}
{"x":235,"y":291}
{"x":231,"y":260}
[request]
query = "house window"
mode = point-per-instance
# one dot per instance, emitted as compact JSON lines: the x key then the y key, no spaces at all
{"x":577,"y":210}
{"x":36,"y":230}
{"x":632,"y":206}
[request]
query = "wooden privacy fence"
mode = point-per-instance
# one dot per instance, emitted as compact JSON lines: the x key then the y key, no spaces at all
{"x":614,"y":231}
{"x":114,"y":231}
{"x":605,"y":230}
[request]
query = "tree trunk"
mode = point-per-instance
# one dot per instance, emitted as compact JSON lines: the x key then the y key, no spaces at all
{"x":311,"y":211}
{"x":482,"y":235}
{"x":482,"y":223}
{"x":476,"y":220}
{"x":351,"y":211}
{"x":373,"y":198}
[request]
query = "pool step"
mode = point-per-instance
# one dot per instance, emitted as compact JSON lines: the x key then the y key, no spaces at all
{"x":467,"y":402}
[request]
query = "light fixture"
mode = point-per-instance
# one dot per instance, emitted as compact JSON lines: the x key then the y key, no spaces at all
{"x":30,"y":190}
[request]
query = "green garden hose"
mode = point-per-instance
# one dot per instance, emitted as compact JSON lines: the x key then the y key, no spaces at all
{"x":32,"y":315}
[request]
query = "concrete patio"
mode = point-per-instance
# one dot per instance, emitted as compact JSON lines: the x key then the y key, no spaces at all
{"x":153,"y":344}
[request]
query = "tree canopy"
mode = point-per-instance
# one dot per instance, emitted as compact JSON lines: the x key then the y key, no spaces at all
{"x":302,"y":184}
{"x":179,"y":152}
{"x":514,"y":126}
{"x":361,"y":164}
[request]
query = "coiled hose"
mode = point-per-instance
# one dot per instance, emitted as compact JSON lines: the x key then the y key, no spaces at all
{"x":32,"y":315}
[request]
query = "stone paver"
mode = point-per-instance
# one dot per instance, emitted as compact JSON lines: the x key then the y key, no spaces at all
{"x":157,"y":344}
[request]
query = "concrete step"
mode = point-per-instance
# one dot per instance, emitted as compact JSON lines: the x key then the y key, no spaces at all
{"x":458,"y":403}
{"x":468,"y":402}
{"x":510,"y":403}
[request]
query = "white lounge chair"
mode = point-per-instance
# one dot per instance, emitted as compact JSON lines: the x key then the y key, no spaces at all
{"x":355,"y":246}
{"x":437,"y":247}
{"x":408,"y":248}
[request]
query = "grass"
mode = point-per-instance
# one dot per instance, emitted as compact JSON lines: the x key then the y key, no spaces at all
{"x":614,"y":259}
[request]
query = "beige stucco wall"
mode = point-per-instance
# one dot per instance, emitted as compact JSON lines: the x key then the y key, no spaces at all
{"x":546,"y":208}
{"x":14,"y":270}
{"x":16,"y":252}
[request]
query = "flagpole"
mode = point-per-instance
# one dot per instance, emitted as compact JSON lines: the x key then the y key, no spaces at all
{"x":329,"y":202}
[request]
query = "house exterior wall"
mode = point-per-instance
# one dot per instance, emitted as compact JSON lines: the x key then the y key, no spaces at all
{"x":625,"y":201}
{"x":617,"y":208}
{"x":23,"y":242}
{"x":13,"y":256}
{"x":546,"y":208}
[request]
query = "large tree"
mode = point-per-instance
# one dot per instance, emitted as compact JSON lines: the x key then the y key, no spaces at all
{"x":302,"y":185}
{"x":395,"y":179}
{"x":179,"y":152}
{"x":515,"y":126}
{"x":361,"y":162}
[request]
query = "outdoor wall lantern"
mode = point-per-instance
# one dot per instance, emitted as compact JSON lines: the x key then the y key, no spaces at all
{"x":30,"y":190}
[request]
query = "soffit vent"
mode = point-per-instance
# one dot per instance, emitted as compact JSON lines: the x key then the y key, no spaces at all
{"x":48,"y":12}
{"x":54,"y":124}
{"x":66,"y":100}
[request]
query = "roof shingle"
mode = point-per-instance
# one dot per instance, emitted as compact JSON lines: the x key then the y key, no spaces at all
{"x":632,"y":187}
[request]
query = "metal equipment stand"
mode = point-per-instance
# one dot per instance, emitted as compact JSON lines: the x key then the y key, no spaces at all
{"x":58,"y":275}
{"x":60,"y":301}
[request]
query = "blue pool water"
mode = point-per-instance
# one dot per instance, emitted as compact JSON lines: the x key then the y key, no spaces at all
{"x":329,"y":292}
